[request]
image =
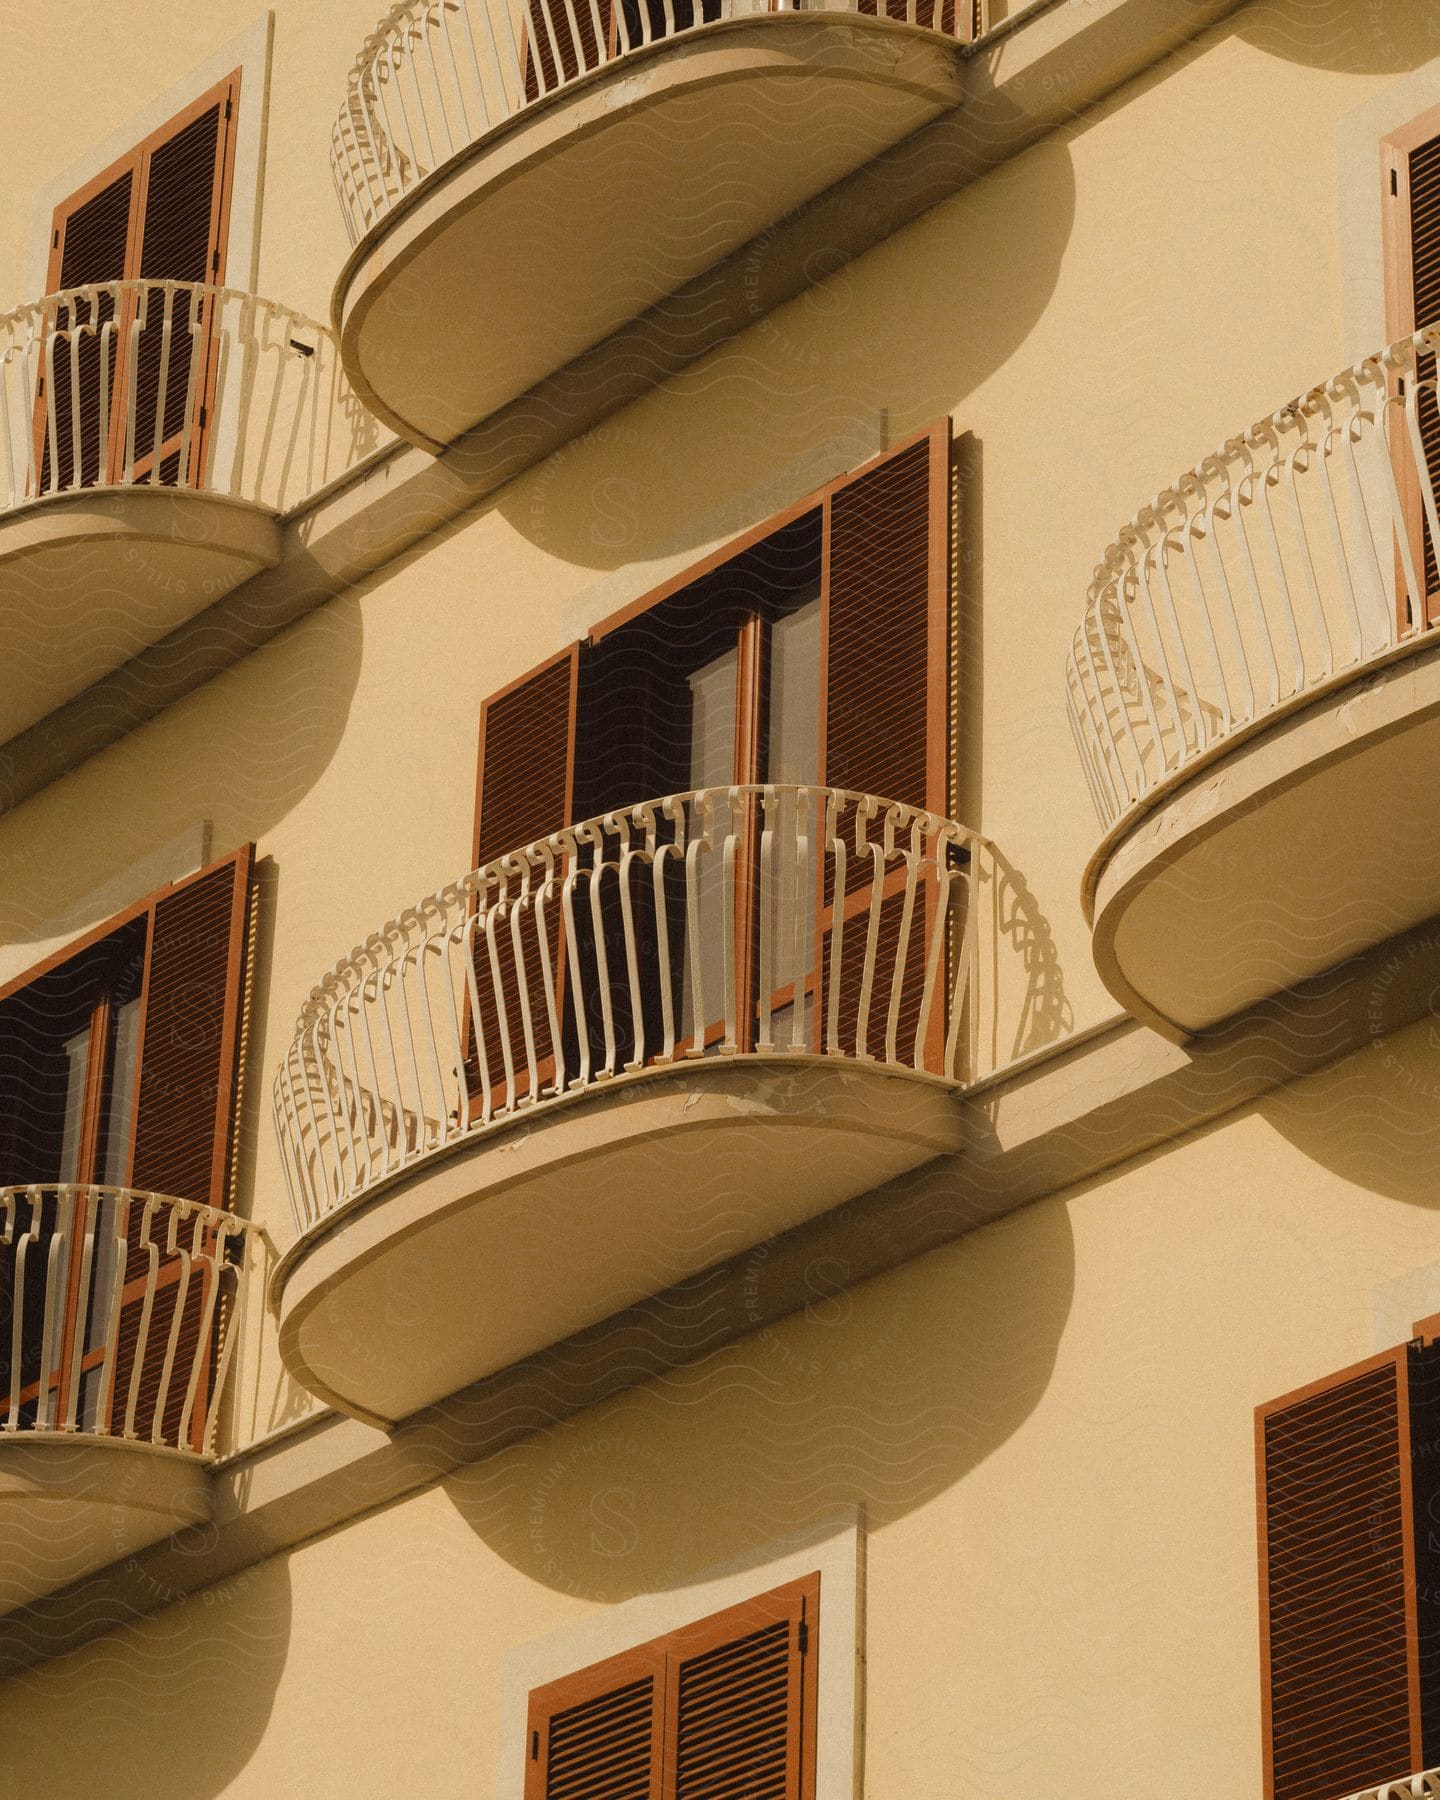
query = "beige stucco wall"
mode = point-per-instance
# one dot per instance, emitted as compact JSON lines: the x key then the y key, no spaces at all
{"x":1049,"y":1423}
{"x":1048,"y":1426}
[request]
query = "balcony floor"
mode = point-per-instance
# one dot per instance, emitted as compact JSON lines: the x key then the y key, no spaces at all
{"x":89,"y":579}
{"x":473,"y":1259}
{"x":70,"y":1504}
{"x":591,"y":205}
{"x":1300,"y":845}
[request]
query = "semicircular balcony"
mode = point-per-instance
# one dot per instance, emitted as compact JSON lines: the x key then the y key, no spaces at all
{"x":152,"y":435}
{"x":519,"y":181}
{"x":606,"y":1061}
{"x":1255,"y":692}
{"x":118,"y":1315}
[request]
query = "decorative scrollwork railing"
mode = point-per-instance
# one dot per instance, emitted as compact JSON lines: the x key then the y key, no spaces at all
{"x":117,"y":1313}
{"x":174,"y":384}
{"x":436,"y":75}
{"x":779,"y":921}
{"x":1298,"y":553}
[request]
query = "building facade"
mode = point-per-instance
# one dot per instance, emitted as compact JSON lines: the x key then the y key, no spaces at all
{"x":718,"y":1049}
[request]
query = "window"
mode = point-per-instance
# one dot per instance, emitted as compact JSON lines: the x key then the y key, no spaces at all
{"x":1349,"y":1522}
{"x":118,"y":1067}
{"x":814,"y":652}
{"x":1410,"y":199}
{"x":128,"y":371}
{"x":726,"y":1706}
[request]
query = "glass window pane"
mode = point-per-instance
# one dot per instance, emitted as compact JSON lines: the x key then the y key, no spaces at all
{"x":794,"y":721}
{"x":712,"y":722}
{"x":77,"y":1058}
{"x":119,"y":1113}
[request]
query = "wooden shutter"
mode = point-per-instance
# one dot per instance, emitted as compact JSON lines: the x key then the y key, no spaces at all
{"x":1410,"y":203}
{"x":598,"y":1735}
{"x":740,"y":1700}
{"x":159,"y":213}
{"x":724,"y":1709}
{"x":190,"y":1035}
{"x":194,"y":936}
{"x":1341,"y":1619}
{"x":885,"y":584}
{"x":524,"y":792}
{"x":195,"y":980}
{"x":185,"y":199}
{"x":89,"y":244}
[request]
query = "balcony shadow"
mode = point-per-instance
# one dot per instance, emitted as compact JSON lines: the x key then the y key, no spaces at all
{"x":1383,"y":36}
{"x":214,"y":1658}
{"x":1024,"y":979}
{"x":881,"y":1395}
{"x":242,"y":751}
{"x":823,"y":382}
{"x":1374,"y":1117}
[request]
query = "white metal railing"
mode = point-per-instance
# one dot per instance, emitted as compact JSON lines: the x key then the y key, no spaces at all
{"x":768,"y":920}
{"x":172,"y":383}
{"x":117,"y":1313}
{"x":436,"y":75}
{"x":1424,"y":1786}
{"x":1286,"y":561}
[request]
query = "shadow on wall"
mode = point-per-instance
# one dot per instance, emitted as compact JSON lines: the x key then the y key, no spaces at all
{"x":271,"y":724}
{"x":817,"y":386}
{"x":1378,"y":37}
{"x":1373,"y":1118}
{"x":881,"y":1395}
{"x":211,"y":1663}
{"x":1030,"y":1008}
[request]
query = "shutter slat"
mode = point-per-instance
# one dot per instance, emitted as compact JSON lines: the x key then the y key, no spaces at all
{"x":94,"y":238}
{"x":190,"y":1036}
{"x":1425,"y":272}
{"x":1338,"y":1585}
{"x":178,"y":240}
{"x":527,"y":737}
{"x":886,"y":730}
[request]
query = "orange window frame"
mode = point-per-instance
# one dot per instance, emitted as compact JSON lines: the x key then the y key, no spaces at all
{"x":225,"y":96}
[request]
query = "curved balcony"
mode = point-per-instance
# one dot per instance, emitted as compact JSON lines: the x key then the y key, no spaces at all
{"x":151,"y":434}
{"x":605,"y":1062}
{"x":1255,"y":693}
{"x":519,"y":182}
{"x":117,"y":1318}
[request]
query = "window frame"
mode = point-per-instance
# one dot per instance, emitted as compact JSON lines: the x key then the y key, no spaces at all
{"x":833,"y":1548}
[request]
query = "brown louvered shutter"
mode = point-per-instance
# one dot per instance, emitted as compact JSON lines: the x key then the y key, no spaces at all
{"x":740,"y":1700}
{"x":524,"y":792}
{"x":1345,"y":1633}
{"x":194,"y":986}
{"x":597,"y":1735}
{"x":1411,"y":231}
{"x":724,"y":1709}
{"x":885,"y":731}
{"x":90,"y":241}
{"x":159,"y":214}
{"x":180,"y":238}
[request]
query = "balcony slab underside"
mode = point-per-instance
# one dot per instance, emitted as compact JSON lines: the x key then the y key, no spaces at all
{"x":1293,"y":849}
{"x":486,"y":1254}
{"x":91,"y":578}
{"x":71,"y":1503}
{"x":589,"y":207}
